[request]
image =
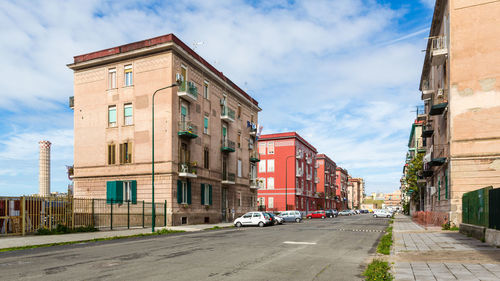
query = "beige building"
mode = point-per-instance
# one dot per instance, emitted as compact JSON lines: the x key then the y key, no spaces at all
{"x":392,"y":199}
{"x":356,"y":192}
{"x":203,"y":136}
{"x":460,"y":85}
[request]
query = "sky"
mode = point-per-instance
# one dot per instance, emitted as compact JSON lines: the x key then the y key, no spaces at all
{"x":342,"y":73}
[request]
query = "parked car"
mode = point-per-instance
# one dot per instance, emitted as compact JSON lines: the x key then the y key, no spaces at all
{"x":275,"y":219}
{"x":317,"y":214}
{"x":331,"y":213}
{"x":381,"y":214}
{"x":291,"y":216}
{"x":253,"y":218}
{"x":345,"y":213}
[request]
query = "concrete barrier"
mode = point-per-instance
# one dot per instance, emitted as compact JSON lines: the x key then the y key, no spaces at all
{"x":492,"y":237}
{"x":471,"y":230}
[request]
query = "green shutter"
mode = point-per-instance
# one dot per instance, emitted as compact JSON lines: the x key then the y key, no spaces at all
{"x":205,"y":121}
{"x":439,"y":190}
{"x":224,"y":131}
{"x":202,"y":194}
{"x":446,"y":184}
{"x":134,"y":192}
{"x":189,"y":192}
{"x":183,"y":111}
{"x":210,"y":194}
{"x":179,"y":191}
{"x":110,"y":191}
{"x":119,"y":192}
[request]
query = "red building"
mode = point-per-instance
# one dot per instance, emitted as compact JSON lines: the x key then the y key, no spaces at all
{"x":341,"y":180}
{"x":326,"y":184}
{"x":286,"y":173}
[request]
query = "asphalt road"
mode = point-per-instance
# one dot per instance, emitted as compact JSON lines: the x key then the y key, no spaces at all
{"x":330,"y":249}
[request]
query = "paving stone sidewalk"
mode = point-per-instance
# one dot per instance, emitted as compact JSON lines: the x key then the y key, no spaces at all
{"x":431,"y":254}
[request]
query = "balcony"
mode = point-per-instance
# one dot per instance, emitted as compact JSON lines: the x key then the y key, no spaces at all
{"x":439,"y":50}
{"x":427,"y":172}
{"x":309,"y":160}
{"x":187,"y":170}
{"x":254,"y":184}
{"x":254,"y":156}
{"x":72,"y":102}
{"x":187,"y":130}
{"x":427,"y":130}
{"x":427,"y":90}
{"x":439,"y":103}
{"x":228,"y":178}
{"x":188,"y":91}
{"x":438,"y":156}
{"x":227,"y":114}
{"x":316,"y":180}
{"x":299,"y":154}
{"x":253,"y":131}
{"x":299,"y":172}
{"x":228,"y":146}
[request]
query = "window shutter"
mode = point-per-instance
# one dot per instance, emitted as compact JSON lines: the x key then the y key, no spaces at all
{"x":202,"y":194}
{"x":119,"y":192}
{"x":122,"y":158}
{"x":110,"y":191}
{"x":134,"y":192}
{"x":189,"y":192}
{"x":179,"y":191}
{"x":205,"y":122}
{"x":210,"y":194}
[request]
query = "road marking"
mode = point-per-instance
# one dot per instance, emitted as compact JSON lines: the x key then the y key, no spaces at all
{"x":299,"y":243}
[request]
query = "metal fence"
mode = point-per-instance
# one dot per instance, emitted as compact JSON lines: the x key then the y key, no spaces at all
{"x":27,"y":214}
{"x":494,"y":206}
{"x":476,"y":207}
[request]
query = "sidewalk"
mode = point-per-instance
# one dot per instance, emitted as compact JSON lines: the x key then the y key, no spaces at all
{"x":430,"y":253}
{"x":20,"y":241}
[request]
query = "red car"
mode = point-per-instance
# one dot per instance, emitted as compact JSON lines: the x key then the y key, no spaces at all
{"x":316,"y":215}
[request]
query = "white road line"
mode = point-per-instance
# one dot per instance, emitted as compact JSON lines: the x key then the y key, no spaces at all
{"x":299,"y":243}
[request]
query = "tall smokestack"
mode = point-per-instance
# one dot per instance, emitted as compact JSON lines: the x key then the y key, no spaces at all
{"x":44,"y":168}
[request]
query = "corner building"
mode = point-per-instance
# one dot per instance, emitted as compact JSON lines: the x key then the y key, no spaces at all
{"x":204,"y":131}
{"x":287,"y":173}
{"x":326,"y":183}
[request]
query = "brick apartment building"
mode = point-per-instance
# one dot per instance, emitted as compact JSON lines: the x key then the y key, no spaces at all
{"x":341,"y":179}
{"x":287,"y":173}
{"x":460,"y":86}
{"x":326,"y":183}
{"x":204,"y":131}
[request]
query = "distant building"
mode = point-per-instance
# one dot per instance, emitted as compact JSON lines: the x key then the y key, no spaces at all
{"x":341,"y":179}
{"x":356,"y":189}
{"x":393,"y":199}
{"x":326,"y":183}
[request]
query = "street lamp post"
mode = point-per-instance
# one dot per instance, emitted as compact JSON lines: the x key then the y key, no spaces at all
{"x":286,"y":181}
{"x":153,"y":214}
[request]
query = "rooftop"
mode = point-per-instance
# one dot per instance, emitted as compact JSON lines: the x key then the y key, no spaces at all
{"x":288,"y":135}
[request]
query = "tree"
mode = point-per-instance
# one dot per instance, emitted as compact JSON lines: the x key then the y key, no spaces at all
{"x":415,"y":168}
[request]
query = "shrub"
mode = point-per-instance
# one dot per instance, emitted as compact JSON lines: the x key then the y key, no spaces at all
{"x":384,"y":246}
{"x":378,"y":270}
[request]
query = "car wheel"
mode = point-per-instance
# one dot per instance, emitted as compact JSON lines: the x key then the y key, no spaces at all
{"x":261,"y":224}
{"x":375,"y":216}
{"x":238,"y":224}
{"x":297,"y":220}
{"x":388,"y":216}
{"x":322,"y":217}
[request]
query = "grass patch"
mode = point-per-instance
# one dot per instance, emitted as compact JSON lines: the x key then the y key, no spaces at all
{"x":391,"y":221}
{"x":378,"y":270}
{"x":447,"y":226}
{"x":384,"y":246}
{"x":218,"y":227}
{"x":159,"y":232}
{"x":62,"y":229}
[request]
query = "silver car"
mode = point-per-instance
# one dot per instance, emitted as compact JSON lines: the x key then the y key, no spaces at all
{"x":295,"y":216}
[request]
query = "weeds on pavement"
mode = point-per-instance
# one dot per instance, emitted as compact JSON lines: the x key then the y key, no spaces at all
{"x":384,"y":246}
{"x":378,"y":270}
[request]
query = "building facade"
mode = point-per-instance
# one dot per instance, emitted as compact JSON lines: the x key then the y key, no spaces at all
{"x":341,"y":179}
{"x":286,"y":173}
{"x":204,"y":131}
{"x":356,"y":190}
{"x":326,"y":183}
{"x":460,"y":86}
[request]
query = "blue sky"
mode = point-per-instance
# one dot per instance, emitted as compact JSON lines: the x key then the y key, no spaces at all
{"x":344,"y":74}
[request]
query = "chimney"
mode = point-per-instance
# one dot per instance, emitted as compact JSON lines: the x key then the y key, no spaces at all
{"x":44,"y":168}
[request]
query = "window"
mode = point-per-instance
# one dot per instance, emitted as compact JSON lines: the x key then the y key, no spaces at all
{"x":111,"y":154}
{"x":270,"y":147}
{"x":127,"y":113}
{"x":205,"y":89}
{"x":206,"y":158}
{"x":206,"y":194}
{"x":205,"y":124}
{"x":239,"y":140}
{"x":239,"y":168}
{"x":112,"y":116}
{"x":125,"y":153}
{"x":270,"y":165}
{"x":239,"y":199}
{"x":127,"y":191}
{"x":239,"y":111}
{"x":183,"y":192}
{"x":261,"y":201}
{"x":270,"y":202}
{"x":182,"y":87}
{"x":262,"y":166}
{"x":270,"y":183}
{"x":128,"y":75}
{"x":121,"y":191}
{"x":112,"y":78}
{"x":262,"y":148}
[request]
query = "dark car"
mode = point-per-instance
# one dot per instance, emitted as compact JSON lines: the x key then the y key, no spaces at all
{"x":331,"y":213}
{"x":272,"y":218}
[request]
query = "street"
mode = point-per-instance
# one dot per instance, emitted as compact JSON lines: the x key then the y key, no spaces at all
{"x":330,"y":249}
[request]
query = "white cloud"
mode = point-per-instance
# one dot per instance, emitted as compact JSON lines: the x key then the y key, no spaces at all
{"x":429,"y":3}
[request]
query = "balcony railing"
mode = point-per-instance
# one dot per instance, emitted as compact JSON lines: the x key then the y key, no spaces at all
{"x":439,"y":46}
{"x":188,"y":90}
{"x":299,"y":172}
{"x":187,"y":129}
{"x":72,"y":102}
{"x":439,"y":155}
{"x":228,"y":146}
{"x":254,"y":156}
{"x":187,"y":169}
{"x":253,"y":131}
{"x":254,"y":184}
{"x":228,"y":178}
{"x":439,"y":102}
{"x":227,"y":114}
{"x":427,"y":130}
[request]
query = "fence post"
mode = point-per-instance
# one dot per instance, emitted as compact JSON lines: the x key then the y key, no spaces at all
{"x":72,"y":213}
{"x":165,"y":214}
{"x":50,"y":214}
{"x":128,"y":214}
{"x":111,"y":217}
{"x":92,"y":218}
{"x":142,"y":213}
{"x":23,"y":213}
